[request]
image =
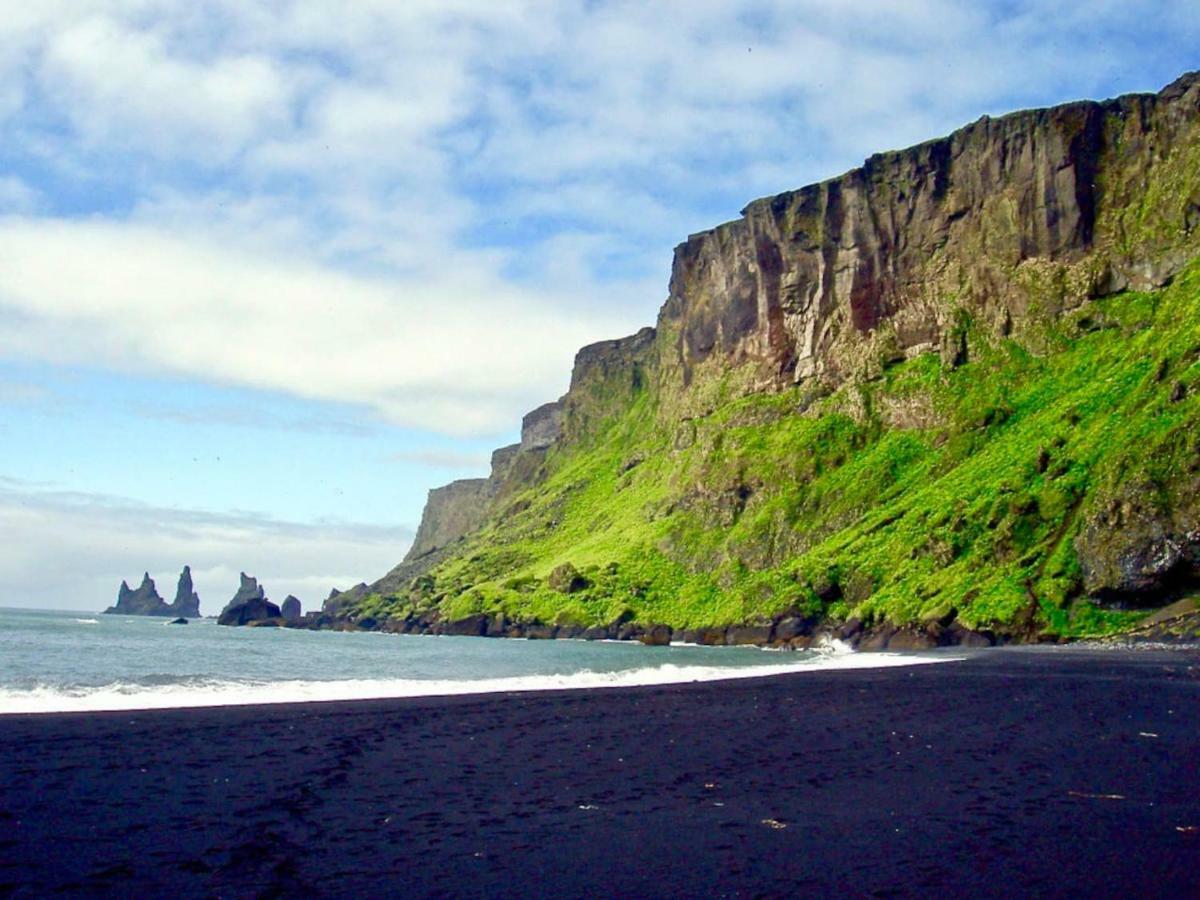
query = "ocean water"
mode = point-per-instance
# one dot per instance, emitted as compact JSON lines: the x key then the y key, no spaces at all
{"x":54,"y":661}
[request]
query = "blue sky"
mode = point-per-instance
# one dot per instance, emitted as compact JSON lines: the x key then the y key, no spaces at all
{"x":270,"y":271}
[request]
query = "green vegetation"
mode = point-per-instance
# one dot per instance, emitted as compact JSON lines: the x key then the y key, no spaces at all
{"x":932,"y":489}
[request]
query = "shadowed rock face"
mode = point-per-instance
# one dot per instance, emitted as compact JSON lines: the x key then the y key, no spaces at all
{"x":450,"y":512}
{"x":795,"y":288}
{"x":249,"y":604}
{"x":542,"y":427}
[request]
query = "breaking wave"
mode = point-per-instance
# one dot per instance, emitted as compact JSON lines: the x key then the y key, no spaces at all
{"x":207,"y":692}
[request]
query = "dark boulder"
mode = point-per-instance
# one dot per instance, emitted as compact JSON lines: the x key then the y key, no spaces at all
{"x":656,"y":636}
{"x":291,"y":609}
{"x":628,"y":631}
{"x":471,"y":626}
{"x":741,"y":635}
{"x":1137,"y":550}
{"x":566,"y":579}
{"x":911,"y":639}
{"x":497,"y":625}
{"x":849,"y":630}
{"x":568,"y":632}
{"x":595,"y":633}
{"x":958,"y":636}
{"x":791,"y":627}
{"x":249,"y":604}
{"x":875,"y":638}
{"x":180,"y":621}
{"x":538,"y":632}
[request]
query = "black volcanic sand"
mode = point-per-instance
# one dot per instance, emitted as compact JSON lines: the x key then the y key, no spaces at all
{"x":1043,"y":772}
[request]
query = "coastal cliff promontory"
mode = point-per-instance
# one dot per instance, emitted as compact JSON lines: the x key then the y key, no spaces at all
{"x":948,"y":395}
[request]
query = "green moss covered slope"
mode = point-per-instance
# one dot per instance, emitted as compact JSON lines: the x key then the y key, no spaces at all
{"x":927,"y":491}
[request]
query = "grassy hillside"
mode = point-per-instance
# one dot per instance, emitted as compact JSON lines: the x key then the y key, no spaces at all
{"x":928,"y":491}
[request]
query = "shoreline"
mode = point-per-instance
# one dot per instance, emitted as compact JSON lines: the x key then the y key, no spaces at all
{"x":1013,"y":770}
{"x":654,"y":673}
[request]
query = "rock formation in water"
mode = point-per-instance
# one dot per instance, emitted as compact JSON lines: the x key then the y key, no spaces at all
{"x":291,"y":609}
{"x":187,"y":601}
{"x":249,"y":605}
{"x":921,"y":400}
{"x":144,"y":601}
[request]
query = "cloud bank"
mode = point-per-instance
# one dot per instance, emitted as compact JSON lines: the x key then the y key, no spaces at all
{"x":423,"y":209}
{"x":111,"y":539}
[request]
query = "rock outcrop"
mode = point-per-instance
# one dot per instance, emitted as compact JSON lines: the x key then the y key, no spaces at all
{"x":249,"y":605}
{"x":187,"y":601}
{"x":144,"y":601}
{"x":290,"y":608}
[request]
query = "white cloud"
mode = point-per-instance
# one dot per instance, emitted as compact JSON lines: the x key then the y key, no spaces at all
{"x":124,"y":86}
{"x":457,"y":350}
{"x":75,"y":549}
{"x":419,"y":207}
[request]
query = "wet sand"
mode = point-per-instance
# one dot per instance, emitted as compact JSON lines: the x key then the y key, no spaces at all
{"x":1043,"y":772}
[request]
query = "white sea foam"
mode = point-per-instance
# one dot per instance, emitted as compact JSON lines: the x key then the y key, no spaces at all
{"x":87,"y":621}
{"x":124,"y":696}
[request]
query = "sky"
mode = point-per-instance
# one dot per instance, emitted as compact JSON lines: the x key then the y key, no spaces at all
{"x":269,"y":271}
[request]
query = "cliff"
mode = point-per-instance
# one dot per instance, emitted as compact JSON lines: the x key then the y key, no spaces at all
{"x":930,"y":390}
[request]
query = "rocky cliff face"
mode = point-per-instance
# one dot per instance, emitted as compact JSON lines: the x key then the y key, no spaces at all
{"x":999,"y":234}
{"x":1007,"y":218}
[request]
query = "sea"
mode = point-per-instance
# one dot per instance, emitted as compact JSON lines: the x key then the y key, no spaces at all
{"x":63,"y":661}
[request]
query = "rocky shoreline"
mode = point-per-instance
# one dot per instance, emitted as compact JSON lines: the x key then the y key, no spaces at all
{"x":1174,"y":625}
{"x":788,"y":632}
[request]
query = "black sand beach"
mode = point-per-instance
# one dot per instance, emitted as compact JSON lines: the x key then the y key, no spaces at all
{"x":1016,"y":772}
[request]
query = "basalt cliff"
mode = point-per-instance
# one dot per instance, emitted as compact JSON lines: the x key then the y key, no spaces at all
{"x":949,"y":395}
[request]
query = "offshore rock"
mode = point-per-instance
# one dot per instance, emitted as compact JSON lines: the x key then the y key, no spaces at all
{"x":291,"y":609}
{"x":144,"y":601}
{"x":187,"y":601}
{"x":248,"y":605}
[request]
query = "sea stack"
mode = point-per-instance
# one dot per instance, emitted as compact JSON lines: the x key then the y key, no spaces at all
{"x":144,"y":601}
{"x":187,"y":601}
{"x":249,"y":605}
{"x":291,"y":609}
